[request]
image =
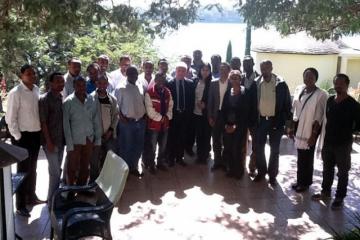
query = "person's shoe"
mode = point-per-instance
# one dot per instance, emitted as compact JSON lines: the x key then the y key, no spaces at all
{"x":258,"y":178}
{"x":181,"y":162}
{"x":300,"y":189}
{"x":152,"y":170}
{"x":190,"y":152}
{"x":136,"y":173}
{"x":337,"y":204}
{"x":272,"y":181}
{"x":162,"y":167}
{"x":252,"y":173}
{"x":23,"y":212}
{"x":321,"y":196}
{"x":35,"y":201}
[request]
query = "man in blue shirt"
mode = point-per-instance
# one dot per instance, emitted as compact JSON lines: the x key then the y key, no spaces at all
{"x":82,"y":130}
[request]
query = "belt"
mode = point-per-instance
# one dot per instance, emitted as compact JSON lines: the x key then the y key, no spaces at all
{"x":267,"y":117}
{"x":134,"y":119}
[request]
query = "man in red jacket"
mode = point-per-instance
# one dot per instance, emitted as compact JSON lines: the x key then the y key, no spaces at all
{"x":159,"y":105}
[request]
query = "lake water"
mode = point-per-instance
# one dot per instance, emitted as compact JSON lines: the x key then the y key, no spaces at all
{"x":210,"y":38}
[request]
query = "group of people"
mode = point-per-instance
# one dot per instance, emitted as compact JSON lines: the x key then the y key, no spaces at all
{"x":136,"y":114}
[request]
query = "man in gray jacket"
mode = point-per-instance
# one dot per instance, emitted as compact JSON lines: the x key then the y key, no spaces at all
{"x":109,"y":116}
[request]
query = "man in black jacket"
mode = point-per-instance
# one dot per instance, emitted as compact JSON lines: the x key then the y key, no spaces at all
{"x":274,"y":104}
{"x":183,"y":93}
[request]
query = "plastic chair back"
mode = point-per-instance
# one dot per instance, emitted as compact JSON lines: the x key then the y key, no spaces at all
{"x":113,"y":176}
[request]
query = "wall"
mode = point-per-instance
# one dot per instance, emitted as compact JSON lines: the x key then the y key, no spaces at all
{"x":291,"y":66}
{"x":353,"y":71}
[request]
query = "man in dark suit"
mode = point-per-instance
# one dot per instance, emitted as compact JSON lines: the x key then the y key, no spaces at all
{"x":183,"y":93}
{"x":217,"y":91}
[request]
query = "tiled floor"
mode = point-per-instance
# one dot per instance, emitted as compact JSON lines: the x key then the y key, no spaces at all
{"x":194,"y":203}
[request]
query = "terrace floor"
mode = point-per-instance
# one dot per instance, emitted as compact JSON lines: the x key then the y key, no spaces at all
{"x":194,"y":203}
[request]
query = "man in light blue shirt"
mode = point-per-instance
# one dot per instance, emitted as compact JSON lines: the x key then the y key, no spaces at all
{"x":82,"y":130}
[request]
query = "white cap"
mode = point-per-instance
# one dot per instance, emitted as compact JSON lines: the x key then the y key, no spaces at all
{"x":75,"y":60}
{"x":181,"y":65}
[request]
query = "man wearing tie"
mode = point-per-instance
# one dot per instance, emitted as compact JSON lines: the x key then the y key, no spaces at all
{"x":183,"y":93}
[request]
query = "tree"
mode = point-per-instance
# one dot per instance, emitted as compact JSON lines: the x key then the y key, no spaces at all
{"x":322,"y":19}
{"x":48,"y":32}
{"x":229,"y":52}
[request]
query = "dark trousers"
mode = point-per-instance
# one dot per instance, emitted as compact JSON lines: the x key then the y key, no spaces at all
{"x":252,"y":162}
{"x":217,"y":141}
{"x":336,"y":155}
{"x":191,"y":133}
{"x":234,"y":151}
{"x":155,"y":138}
{"x":31,"y":142}
{"x":177,"y":137}
{"x":78,"y":164}
{"x":305,"y":166}
{"x":266,"y":128}
{"x":203,"y":137}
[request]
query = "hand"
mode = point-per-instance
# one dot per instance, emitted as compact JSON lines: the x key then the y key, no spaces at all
{"x":106,"y":136}
{"x":230,"y":128}
{"x":122,"y":118}
{"x":312,"y":141}
{"x":211,"y":122}
{"x":290,"y":133}
{"x":50,"y":146}
{"x":201,"y":105}
{"x":163,"y":119}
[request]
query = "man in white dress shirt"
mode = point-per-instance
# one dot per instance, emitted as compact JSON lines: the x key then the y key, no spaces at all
{"x":118,"y":77}
{"x":23,"y":120}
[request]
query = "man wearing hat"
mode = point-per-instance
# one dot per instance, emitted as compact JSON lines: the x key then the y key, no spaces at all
{"x":74,"y":69}
{"x":183,"y":93}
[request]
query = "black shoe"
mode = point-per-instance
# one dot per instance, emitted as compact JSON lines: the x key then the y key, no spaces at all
{"x":272,"y":181}
{"x":337,"y":204}
{"x":321,"y":196}
{"x":23,"y":212}
{"x":136,"y":173}
{"x":181,"y":162}
{"x":252,"y":173}
{"x":259,"y":178}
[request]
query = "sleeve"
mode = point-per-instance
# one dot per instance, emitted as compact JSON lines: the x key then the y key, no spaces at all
{"x":225,"y":107}
{"x":169,"y":114}
{"x":210,"y":103}
{"x":117,"y":95}
{"x":12,"y":115}
{"x":43,"y":110}
{"x":67,"y":127}
{"x":97,"y":124}
{"x":287,"y":107}
{"x":114,"y":113}
{"x":357,"y":116}
{"x":253,"y":111}
{"x":152,"y":114}
{"x":320,"y":108}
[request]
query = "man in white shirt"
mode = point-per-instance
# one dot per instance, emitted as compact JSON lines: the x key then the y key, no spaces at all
{"x":118,"y":77}
{"x":146,"y":78}
{"x":74,"y":69}
{"x":23,"y":120}
{"x":131,"y":127}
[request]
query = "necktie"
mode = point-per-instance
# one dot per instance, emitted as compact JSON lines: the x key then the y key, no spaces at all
{"x":181,"y":96}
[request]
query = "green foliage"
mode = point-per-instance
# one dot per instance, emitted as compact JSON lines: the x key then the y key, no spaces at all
{"x":321,"y":19}
{"x":46,"y":33}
